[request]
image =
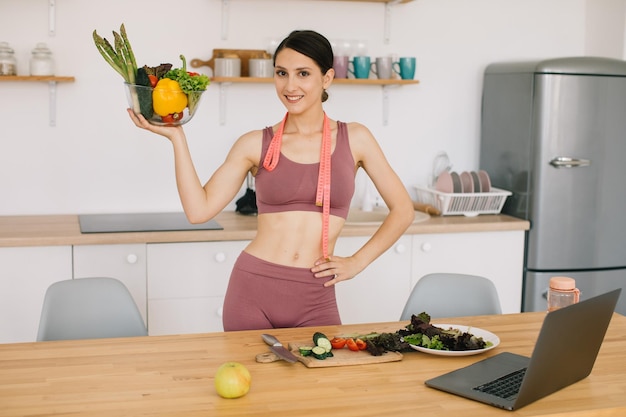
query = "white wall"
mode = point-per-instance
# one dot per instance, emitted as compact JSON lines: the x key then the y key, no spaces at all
{"x":95,"y":160}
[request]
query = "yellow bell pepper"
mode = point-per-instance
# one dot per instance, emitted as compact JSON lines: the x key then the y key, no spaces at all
{"x":168,"y":98}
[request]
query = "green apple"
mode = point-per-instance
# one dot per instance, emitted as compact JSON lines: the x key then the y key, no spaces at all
{"x":232,"y":380}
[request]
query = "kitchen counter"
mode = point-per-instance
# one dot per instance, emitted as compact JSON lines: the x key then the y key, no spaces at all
{"x":174,"y":376}
{"x":55,"y":230}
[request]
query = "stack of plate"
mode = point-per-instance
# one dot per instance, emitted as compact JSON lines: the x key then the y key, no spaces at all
{"x":465,"y":182}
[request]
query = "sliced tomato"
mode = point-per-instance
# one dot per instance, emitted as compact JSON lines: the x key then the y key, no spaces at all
{"x":171,"y":118}
{"x":338,"y":342}
{"x":351,"y":343}
{"x":153,"y":80}
{"x":360,"y":344}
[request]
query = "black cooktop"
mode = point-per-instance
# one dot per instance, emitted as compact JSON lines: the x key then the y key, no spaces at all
{"x":140,"y":222}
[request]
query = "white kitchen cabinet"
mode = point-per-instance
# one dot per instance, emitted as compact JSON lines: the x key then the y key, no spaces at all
{"x":378,"y":293}
{"x":125,"y":262}
{"x":25,"y":275}
{"x":498,"y":256}
{"x":187,"y":284}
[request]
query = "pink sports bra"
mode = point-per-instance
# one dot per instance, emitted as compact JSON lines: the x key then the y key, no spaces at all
{"x":292,"y":186}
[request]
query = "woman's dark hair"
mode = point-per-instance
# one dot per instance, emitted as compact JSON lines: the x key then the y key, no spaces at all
{"x":311,"y":44}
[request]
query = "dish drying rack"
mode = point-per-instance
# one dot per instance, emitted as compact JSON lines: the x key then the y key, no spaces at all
{"x":466,"y":204}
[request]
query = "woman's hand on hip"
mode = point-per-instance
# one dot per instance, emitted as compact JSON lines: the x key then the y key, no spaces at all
{"x":336,"y":268}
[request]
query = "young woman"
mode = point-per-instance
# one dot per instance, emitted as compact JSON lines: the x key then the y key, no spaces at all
{"x":304,"y":168}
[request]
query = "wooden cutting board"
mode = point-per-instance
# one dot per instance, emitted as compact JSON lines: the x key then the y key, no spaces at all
{"x":342,"y":357}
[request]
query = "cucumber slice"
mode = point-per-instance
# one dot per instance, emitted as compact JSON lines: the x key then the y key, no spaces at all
{"x":305,"y":350}
{"x":319,"y":352}
{"x":318,"y":335}
{"x":320,"y":339}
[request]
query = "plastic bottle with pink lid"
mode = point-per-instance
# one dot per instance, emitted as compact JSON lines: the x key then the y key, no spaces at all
{"x":562,"y":293}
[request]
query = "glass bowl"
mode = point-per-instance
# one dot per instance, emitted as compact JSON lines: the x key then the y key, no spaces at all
{"x":140,"y":100}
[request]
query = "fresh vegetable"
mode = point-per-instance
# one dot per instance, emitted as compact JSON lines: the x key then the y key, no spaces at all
{"x":448,"y":339}
{"x":422,"y":340}
{"x":305,"y":350}
{"x":360,"y":344}
{"x":171,"y":118}
{"x":338,"y":342}
{"x":168,"y":98}
{"x":352,"y":345}
{"x":121,"y":58}
{"x":190,"y":82}
{"x":319,"y":352}
{"x":321,"y":340}
{"x":144,"y":95}
{"x":157,"y":72}
{"x":386,"y":342}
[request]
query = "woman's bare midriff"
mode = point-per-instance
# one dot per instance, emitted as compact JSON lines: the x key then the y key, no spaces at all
{"x":293,"y":238}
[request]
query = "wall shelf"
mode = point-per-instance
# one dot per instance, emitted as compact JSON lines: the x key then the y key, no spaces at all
{"x":37,"y":78}
{"x":52,"y":87}
{"x":225,"y":82}
{"x":353,"y":81}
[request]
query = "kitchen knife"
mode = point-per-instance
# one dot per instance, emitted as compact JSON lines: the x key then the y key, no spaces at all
{"x":278,"y":348}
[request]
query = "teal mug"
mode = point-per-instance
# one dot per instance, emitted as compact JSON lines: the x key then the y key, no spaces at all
{"x":361,"y":66}
{"x":405,"y":67}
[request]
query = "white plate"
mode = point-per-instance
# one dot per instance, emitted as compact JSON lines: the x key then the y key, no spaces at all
{"x":487,"y":337}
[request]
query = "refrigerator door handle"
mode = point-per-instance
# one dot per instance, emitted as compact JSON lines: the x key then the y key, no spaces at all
{"x":567,"y":162}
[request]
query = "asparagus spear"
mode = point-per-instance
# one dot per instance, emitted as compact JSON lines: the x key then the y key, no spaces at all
{"x":108,"y":53}
{"x":129,"y":52}
{"x":120,"y":57}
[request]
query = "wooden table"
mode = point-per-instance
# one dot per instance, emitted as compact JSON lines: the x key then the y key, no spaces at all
{"x":173,"y":376}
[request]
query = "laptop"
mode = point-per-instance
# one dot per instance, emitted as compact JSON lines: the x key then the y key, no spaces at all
{"x":564,"y":353}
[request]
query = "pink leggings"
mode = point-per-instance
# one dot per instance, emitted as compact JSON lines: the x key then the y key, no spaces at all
{"x":264,"y":295}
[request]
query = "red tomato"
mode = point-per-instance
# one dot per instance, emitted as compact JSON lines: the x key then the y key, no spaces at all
{"x":338,"y":342}
{"x":192,"y":74}
{"x":360,"y":344}
{"x":153,"y":80}
{"x":171,"y":118}
{"x":352,"y":345}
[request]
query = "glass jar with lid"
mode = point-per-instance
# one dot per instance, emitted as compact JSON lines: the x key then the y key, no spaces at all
{"x":8,"y":63}
{"x":41,"y":62}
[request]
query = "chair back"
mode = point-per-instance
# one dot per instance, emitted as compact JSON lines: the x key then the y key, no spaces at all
{"x":452,"y":295}
{"x":89,"y":308}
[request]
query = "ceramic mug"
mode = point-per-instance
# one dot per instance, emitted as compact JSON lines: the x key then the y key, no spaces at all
{"x":340,"y":65}
{"x":227,"y":67}
{"x":405,"y":67}
{"x":261,"y":68}
{"x":382,"y":68}
{"x":361,"y":67}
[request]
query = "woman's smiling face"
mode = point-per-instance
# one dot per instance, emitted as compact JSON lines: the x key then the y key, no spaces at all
{"x":299,"y":81}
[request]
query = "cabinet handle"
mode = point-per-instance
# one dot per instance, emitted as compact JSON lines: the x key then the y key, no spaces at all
{"x":132,"y":258}
{"x":401,"y":248}
{"x":220,"y":257}
{"x":426,"y":247}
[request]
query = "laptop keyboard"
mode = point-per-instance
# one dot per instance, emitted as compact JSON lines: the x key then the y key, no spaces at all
{"x":505,"y":387}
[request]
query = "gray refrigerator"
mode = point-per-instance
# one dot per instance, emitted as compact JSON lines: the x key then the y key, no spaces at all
{"x":554,"y":133}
